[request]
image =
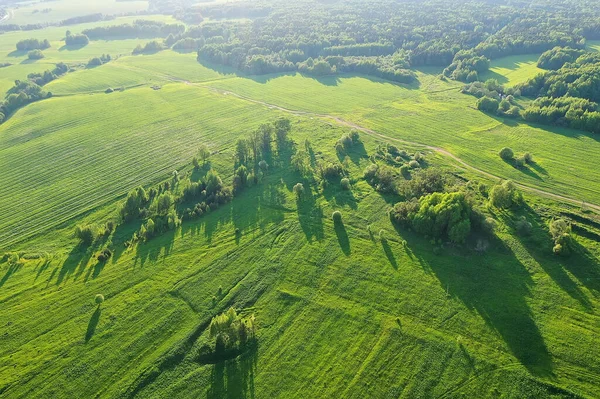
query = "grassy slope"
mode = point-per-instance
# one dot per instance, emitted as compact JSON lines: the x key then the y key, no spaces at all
{"x":511,"y":71}
{"x":326,"y":299}
{"x":62,"y":160}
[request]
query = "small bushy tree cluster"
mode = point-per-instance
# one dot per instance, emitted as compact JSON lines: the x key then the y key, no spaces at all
{"x":505,"y":195}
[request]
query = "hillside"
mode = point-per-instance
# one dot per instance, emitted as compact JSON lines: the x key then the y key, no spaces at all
{"x":256,"y":200}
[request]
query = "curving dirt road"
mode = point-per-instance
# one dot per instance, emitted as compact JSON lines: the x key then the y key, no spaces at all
{"x":439,"y":150}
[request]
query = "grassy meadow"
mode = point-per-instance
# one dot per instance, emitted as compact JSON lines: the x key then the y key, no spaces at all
{"x":59,"y":10}
{"x":381,"y":317}
{"x":352,"y":310}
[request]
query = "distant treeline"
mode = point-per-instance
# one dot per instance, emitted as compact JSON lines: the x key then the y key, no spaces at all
{"x":139,"y":29}
{"x":30,"y":90}
{"x":568,"y":95}
{"x":32,"y":44}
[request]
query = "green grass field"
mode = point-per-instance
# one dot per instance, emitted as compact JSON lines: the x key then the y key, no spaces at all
{"x":511,"y":71}
{"x":59,"y":10}
{"x":381,"y":318}
{"x":341,"y":313}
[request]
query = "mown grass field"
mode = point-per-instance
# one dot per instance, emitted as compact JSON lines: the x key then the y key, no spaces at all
{"x":131,"y":138}
{"x":59,"y":10}
{"x":436,"y":113}
{"x":511,"y":71}
{"x":341,"y":313}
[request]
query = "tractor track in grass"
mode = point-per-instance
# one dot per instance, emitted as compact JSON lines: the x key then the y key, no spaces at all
{"x":464,"y":165}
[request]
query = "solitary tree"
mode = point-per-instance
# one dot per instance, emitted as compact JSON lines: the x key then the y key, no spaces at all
{"x":99,"y":299}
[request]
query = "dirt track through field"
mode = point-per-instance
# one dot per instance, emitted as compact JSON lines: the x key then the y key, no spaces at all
{"x":438,"y":150}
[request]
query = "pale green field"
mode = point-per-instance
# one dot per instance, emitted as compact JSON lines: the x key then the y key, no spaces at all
{"x":126,"y":71}
{"x":511,"y":71}
{"x":31,"y":13}
{"x":61,"y":53}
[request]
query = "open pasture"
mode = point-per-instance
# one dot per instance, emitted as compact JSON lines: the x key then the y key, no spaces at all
{"x":43,"y":12}
{"x":64,"y":156}
{"x":381,"y":316}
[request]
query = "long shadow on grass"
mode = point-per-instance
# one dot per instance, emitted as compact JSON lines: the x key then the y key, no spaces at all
{"x":539,"y":245}
{"x":310,"y":214}
{"x":76,"y":261}
{"x":342,"y":236}
{"x":496,"y":286}
{"x":12,"y":269}
{"x":93,"y":323}
{"x":234,"y":378}
{"x":152,"y":249}
{"x":356,"y":153}
{"x":389,"y":253}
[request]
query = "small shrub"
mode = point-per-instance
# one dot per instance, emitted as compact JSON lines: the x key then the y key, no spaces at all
{"x":414,"y":165}
{"x":85,"y":233}
{"x":35,"y":55}
{"x":520,"y":162}
{"x":345,"y":183}
{"x":337,"y":217}
{"x":346,"y":141}
{"x":109,"y":90}
{"x":507,"y":154}
{"x":299,"y":190}
{"x":99,"y":299}
{"x":355,"y":136}
{"x":523,"y":227}
{"x":405,"y":171}
{"x":263,"y":165}
{"x":104,"y":255}
{"x":528,"y":157}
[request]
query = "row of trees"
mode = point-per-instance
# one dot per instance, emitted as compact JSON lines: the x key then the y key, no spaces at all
{"x":30,"y":90}
{"x":32,"y":44}
{"x":139,"y":29}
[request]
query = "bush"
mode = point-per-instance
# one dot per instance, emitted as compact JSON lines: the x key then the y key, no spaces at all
{"x":487,"y":104}
{"x":35,"y":55}
{"x":86,"y":233}
{"x":99,"y":299}
{"x":505,"y":195}
{"x":520,"y":162}
{"x":414,"y":165}
{"x":299,"y":190}
{"x":507,"y":154}
{"x":346,"y":141}
{"x":528,"y":157}
{"x":337,"y":217}
{"x":104,"y":255}
{"x":523,"y":227}
{"x":345,"y":183}
{"x":381,"y":178}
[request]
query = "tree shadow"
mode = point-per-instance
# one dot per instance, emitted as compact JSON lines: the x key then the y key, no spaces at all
{"x":76,"y":261}
{"x":334,"y":194}
{"x":234,"y":379}
{"x":17,"y":53}
{"x":539,"y":246}
{"x":12,"y":269}
{"x":310,"y":215}
{"x":73,"y":47}
{"x":524,"y":169}
{"x":356,"y":153}
{"x":93,"y":323}
{"x":389,"y":253}
{"x":496,"y":286}
{"x":43,"y":267}
{"x":342,"y":236}
{"x":152,"y":249}
{"x":538,"y":168}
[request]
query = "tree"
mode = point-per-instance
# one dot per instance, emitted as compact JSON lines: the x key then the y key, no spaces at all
{"x":204,"y":153}
{"x":99,"y":299}
{"x":505,"y":195}
{"x":282,"y":128}
{"x":507,"y":154}
{"x":487,"y":104}
{"x":35,"y":55}
{"x":337,"y":217}
{"x":299,"y":190}
{"x":301,"y":163}
{"x":242,"y":151}
{"x":86,"y":233}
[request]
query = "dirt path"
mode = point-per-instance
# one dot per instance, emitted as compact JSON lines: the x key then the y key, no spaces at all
{"x":438,"y":150}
